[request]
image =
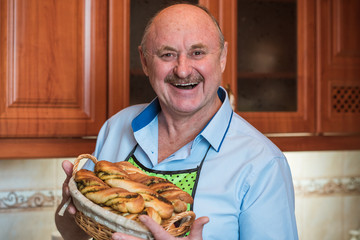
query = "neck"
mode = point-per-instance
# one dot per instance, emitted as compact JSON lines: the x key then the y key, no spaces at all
{"x":176,"y":130}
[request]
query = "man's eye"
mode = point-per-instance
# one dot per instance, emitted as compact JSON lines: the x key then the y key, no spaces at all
{"x":198,"y":54}
{"x":167,"y":55}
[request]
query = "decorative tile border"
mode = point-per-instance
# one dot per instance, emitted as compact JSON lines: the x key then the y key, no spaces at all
{"x":327,"y":186}
{"x":28,"y":199}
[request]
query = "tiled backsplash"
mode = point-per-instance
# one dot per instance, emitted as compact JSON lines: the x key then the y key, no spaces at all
{"x":327,"y":188}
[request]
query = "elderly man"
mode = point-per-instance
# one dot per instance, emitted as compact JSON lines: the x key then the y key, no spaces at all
{"x":242,"y":187}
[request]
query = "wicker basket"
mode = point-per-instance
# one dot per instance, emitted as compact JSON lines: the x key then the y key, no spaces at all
{"x":101,"y":224}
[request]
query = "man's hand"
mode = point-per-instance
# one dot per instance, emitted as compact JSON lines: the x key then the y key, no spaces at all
{"x":160,"y":233}
{"x":68,"y":169}
{"x":66,"y":223}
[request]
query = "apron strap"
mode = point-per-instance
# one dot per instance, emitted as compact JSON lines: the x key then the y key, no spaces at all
{"x":132,"y":152}
{"x":198,"y":177}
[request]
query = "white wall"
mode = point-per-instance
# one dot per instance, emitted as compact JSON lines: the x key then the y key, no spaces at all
{"x":327,"y":186}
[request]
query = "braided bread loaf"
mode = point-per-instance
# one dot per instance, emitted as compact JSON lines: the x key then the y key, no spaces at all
{"x":166,"y":189}
{"x":129,"y":191}
{"x":135,"y":216}
{"x":99,"y":192}
{"x":107,"y":172}
{"x":140,"y":197}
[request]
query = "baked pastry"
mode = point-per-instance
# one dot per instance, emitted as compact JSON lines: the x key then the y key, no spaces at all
{"x":166,"y":189}
{"x":106,"y":172}
{"x":174,"y":194}
{"x":100,"y":193}
{"x":128,"y":168}
{"x":128,"y":204}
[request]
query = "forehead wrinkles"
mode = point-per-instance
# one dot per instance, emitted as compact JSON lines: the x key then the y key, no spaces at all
{"x":192,"y":30}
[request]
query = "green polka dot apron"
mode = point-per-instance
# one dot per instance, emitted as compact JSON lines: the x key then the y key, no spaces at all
{"x":186,"y":179}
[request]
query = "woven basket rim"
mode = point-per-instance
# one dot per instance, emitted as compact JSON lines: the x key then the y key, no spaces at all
{"x":111,"y":220}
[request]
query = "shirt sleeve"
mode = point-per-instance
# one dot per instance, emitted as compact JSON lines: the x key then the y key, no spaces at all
{"x":89,"y":165}
{"x":267,"y":209}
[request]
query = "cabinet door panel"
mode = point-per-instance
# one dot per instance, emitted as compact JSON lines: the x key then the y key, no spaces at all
{"x":53,"y":67}
{"x":338,"y":79}
{"x":301,"y":118}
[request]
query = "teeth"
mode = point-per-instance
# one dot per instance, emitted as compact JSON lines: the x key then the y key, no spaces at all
{"x":184,"y":84}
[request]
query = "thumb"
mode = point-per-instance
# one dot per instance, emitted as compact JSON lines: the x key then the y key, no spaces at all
{"x":197,"y":228}
{"x":68,"y":168}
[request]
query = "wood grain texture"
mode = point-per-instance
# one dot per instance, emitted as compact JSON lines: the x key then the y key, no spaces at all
{"x":338,"y":60}
{"x":53,"y":68}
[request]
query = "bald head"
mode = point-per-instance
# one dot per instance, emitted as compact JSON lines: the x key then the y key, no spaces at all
{"x":186,"y":13}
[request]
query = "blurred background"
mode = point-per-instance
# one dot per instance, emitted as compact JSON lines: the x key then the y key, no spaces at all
{"x":293,"y":71}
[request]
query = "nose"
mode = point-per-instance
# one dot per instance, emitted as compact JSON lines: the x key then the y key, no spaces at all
{"x":183,"y":68}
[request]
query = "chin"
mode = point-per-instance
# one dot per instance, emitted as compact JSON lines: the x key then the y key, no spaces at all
{"x":187,"y":109}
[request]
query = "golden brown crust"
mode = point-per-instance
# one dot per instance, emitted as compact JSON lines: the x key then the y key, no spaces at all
{"x":160,"y":204}
{"x":166,"y":189}
{"x":148,"y":180}
{"x":108,"y":170}
{"x":118,"y":199}
{"x":99,"y":192}
{"x":87,"y":181}
{"x":151,"y":198}
{"x":147,"y":211}
{"x":171,"y":192}
{"x":174,"y":194}
{"x":153,"y":214}
{"x":128,"y":168}
{"x":130,"y":185}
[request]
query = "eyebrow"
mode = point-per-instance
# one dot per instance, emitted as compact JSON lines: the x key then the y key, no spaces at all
{"x":168,"y":48}
{"x":197,"y":46}
{"x":165,"y":48}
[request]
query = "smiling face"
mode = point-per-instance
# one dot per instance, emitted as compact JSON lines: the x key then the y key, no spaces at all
{"x":184,"y":60}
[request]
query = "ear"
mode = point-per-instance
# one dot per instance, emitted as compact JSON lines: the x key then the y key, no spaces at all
{"x":223,"y":57}
{"x":143,"y":61}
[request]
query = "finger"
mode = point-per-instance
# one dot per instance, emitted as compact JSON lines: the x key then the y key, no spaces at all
{"x":197,"y":228}
{"x":157,"y":230}
{"x":71,"y":209}
{"x":68,"y":168}
{"x":65,"y":190}
{"x":68,"y":207}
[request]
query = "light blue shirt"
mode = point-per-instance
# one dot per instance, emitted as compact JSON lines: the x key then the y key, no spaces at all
{"x":245,"y":185}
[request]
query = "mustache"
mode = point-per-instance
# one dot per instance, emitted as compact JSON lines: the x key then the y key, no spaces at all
{"x":191,"y":79}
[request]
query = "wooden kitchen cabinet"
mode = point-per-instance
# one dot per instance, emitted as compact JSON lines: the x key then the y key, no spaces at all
{"x":53,"y":68}
{"x":53,"y":76}
{"x":269,"y":34}
{"x":338,"y":66}
{"x":65,"y":68}
{"x":327,"y":74}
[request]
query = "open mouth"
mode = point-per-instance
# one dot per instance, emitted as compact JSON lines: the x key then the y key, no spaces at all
{"x":185,"y":85}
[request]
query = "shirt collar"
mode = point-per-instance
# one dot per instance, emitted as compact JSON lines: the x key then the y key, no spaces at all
{"x":214,"y":132}
{"x":216,"y":129}
{"x":146,"y":116}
